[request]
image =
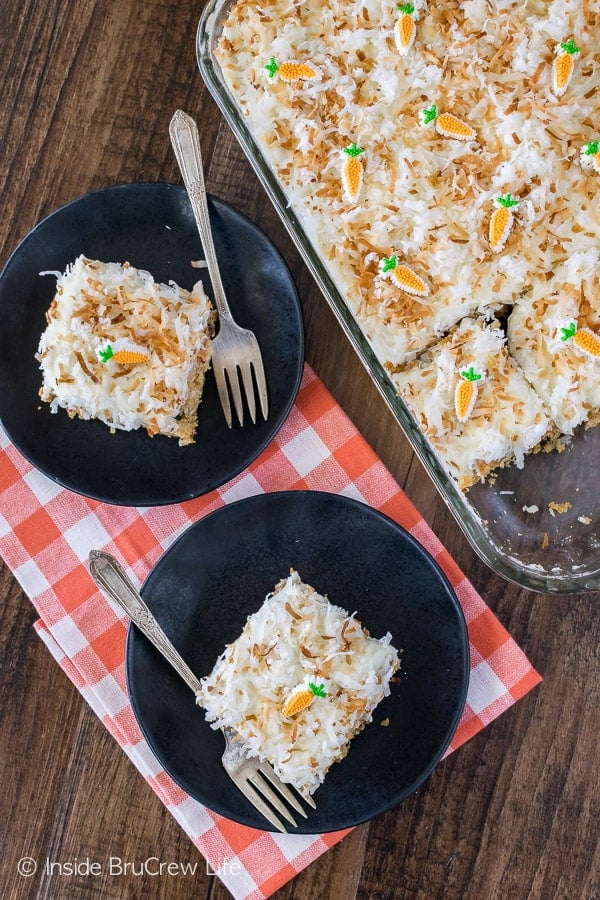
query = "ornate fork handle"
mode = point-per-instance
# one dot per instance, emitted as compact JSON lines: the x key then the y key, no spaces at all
{"x":186,"y":145}
{"x":111,"y":577}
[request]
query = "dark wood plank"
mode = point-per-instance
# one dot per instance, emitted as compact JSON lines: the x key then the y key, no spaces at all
{"x":37,"y":725}
{"x":88,"y":89}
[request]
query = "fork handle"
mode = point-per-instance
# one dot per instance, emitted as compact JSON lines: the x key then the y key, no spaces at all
{"x":186,"y":144}
{"x":111,"y":577}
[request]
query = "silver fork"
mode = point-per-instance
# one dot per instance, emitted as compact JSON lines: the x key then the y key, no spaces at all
{"x":234,"y":348}
{"x":254,"y":779}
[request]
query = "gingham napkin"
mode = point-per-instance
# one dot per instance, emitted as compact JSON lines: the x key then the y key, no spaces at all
{"x":47,"y":532}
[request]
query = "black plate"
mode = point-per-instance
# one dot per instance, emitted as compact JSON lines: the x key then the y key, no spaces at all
{"x":151,"y":226}
{"x":220,"y":570}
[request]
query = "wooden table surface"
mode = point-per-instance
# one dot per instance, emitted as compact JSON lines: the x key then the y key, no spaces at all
{"x":88,"y":89}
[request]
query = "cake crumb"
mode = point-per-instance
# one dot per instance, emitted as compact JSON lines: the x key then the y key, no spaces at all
{"x":384,"y":723}
{"x":531,"y":509}
{"x":545,"y":540}
{"x":560,"y":508}
{"x":585,"y":520}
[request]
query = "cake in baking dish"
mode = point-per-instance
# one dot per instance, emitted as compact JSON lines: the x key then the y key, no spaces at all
{"x":443,"y":160}
{"x":299,"y":682}
{"x":473,"y":403}
{"x":124,"y":349}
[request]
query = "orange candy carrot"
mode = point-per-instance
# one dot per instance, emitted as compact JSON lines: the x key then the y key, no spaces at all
{"x":301,"y":698}
{"x":465,"y":393}
{"x":404,"y":276}
{"x":590,"y":155}
{"x":447,"y":124}
{"x":290,"y":70}
{"x":352,"y":171}
{"x":563,"y":66}
{"x":405,"y":28}
{"x":125,"y":357}
{"x":584,"y":339}
{"x":501,"y":222}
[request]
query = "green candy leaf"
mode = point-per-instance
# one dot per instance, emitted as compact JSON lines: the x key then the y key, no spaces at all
{"x":353,"y":150}
{"x":317,"y":689}
{"x":429,"y":114}
{"x":569,"y":47}
{"x":507,"y":201}
{"x":271,"y":67}
{"x":388,"y":263}
{"x":592,"y":148}
{"x":568,"y":332}
{"x":106,"y":354}
{"x":470,"y":374}
{"x":406,"y":8}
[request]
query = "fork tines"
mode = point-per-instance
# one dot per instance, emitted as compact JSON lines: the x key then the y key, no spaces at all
{"x":258,"y":790}
{"x":227,"y":378}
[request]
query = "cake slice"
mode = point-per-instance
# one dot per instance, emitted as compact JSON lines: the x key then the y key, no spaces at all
{"x":554,"y":334}
{"x":123,"y":349}
{"x":299,"y":682}
{"x":473,"y":403}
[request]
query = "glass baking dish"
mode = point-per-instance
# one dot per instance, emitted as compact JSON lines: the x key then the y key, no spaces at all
{"x":537,"y":526}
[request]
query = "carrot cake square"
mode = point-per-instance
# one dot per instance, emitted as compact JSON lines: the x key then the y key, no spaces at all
{"x":473,"y":403}
{"x":123,"y":349}
{"x":554,"y":335}
{"x":299,"y":682}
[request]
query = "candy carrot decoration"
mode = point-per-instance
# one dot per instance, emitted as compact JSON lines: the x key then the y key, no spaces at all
{"x":301,"y":698}
{"x":352,"y":171}
{"x":501,"y":222}
{"x":583,"y":339}
{"x":405,"y":28}
{"x":563,"y":66}
{"x":404,"y":276}
{"x":290,"y":71}
{"x":590,"y":155}
{"x":447,"y":125}
{"x":124,"y":357}
{"x":465,"y":393}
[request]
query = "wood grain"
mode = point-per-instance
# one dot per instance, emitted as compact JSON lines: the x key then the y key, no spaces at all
{"x":88,"y":89}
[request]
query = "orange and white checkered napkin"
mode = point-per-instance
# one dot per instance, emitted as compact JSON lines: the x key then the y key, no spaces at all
{"x":47,"y":532}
